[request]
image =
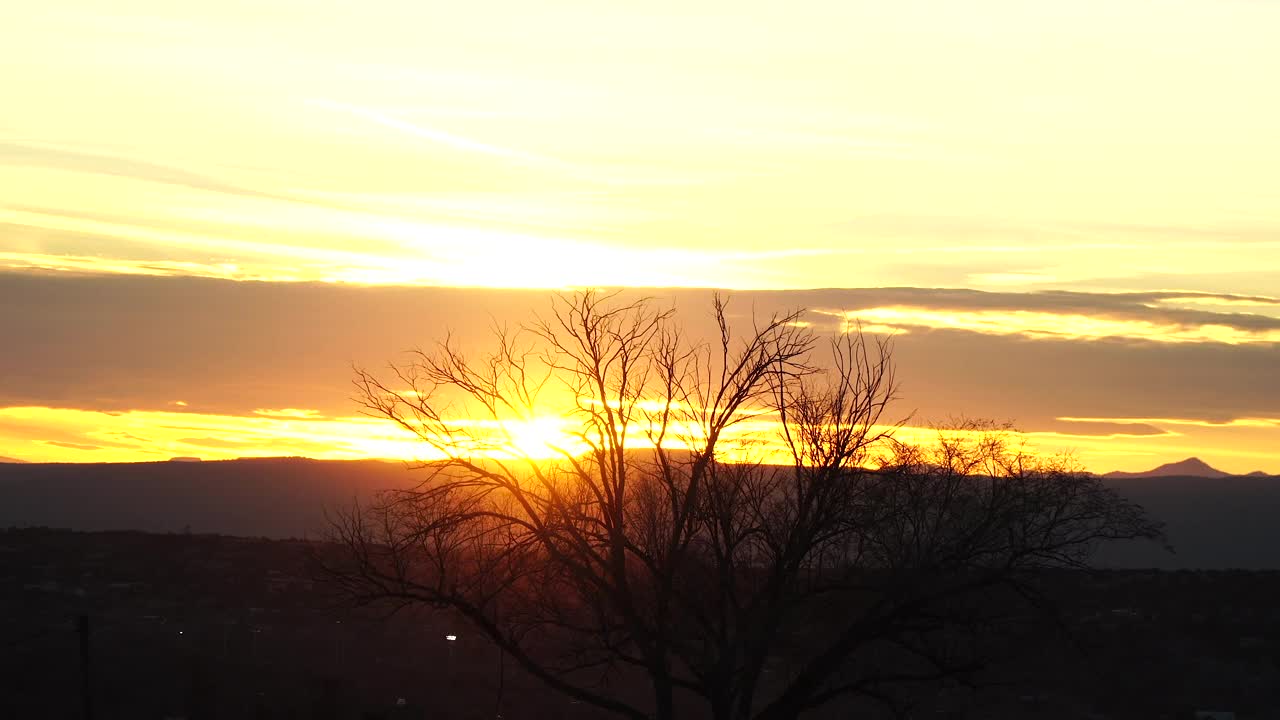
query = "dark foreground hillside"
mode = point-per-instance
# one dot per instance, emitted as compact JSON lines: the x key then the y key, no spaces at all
{"x":201,"y":626}
{"x":267,"y":497}
{"x":1212,"y":523}
{"x":212,"y":627}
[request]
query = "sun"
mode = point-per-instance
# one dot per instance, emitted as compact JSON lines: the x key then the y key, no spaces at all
{"x":544,"y":437}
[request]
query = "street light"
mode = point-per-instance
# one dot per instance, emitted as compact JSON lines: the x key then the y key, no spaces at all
{"x":338,"y":645}
{"x":451,"y":639}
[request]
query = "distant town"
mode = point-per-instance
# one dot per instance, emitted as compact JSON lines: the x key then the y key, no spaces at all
{"x":205,"y":626}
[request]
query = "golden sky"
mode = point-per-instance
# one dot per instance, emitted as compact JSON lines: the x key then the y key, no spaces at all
{"x":1010,"y":147}
{"x":985,"y":144}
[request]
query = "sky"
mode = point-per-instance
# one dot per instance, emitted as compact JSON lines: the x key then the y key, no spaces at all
{"x":1068,"y":212}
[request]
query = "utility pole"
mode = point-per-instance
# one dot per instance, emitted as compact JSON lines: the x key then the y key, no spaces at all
{"x":86,"y":695}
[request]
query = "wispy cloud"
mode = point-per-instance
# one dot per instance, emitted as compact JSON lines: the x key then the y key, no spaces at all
{"x":861,"y":145}
{"x":1166,"y":317}
{"x":1100,"y":428}
{"x":90,"y":264}
{"x":71,"y":446}
{"x":33,"y":155}
{"x":391,"y":250}
{"x":23,"y":154}
{"x":180,"y":246}
{"x":1243,"y":422}
{"x":1060,"y":325}
{"x":457,"y":142}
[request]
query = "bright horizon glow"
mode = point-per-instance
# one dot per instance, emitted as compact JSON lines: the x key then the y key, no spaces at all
{"x":143,"y":436}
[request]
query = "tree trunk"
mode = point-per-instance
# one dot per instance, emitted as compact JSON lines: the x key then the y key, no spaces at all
{"x":664,"y":703}
{"x":721,"y":707}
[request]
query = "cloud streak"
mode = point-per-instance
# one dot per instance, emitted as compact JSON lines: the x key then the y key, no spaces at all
{"x":1165,"y":317}
{"x":31,"y":155}
{"x":422,"y":132}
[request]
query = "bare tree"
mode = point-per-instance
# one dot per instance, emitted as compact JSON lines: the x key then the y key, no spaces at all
{"x":730,"y":520}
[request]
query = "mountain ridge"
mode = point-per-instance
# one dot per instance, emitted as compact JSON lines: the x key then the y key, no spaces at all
{"x":1191,"y":467}
{"x":1212,"y":523}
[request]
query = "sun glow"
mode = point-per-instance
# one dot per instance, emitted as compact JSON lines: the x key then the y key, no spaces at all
{"x":42,"y":434}
{"x":542,"y":438}
{"x":534,"y":438}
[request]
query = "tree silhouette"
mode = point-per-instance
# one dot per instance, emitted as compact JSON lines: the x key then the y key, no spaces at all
{"x":731,"y":521}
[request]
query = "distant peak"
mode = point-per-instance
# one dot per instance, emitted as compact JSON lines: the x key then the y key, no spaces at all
{"x":1191,"y":467}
